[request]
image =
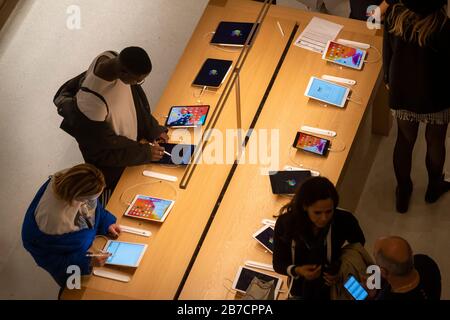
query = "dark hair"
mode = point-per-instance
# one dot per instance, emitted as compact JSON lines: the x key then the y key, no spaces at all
{"x":311,"y":191}
{"x":136,"y":61}
{"x":414,"y":27}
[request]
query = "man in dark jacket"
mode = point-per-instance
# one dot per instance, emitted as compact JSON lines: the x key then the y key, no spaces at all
{"x":106,"y":110}
{"x":409,"y":277}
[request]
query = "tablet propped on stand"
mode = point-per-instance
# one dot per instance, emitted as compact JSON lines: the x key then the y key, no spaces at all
{"x":245,"y":276}
{"x":327,"y":91}
{"x":344,"y":55}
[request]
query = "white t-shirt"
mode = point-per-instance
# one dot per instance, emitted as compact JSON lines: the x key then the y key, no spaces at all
{"x":56,"y":217}
{"x":122,"y":112}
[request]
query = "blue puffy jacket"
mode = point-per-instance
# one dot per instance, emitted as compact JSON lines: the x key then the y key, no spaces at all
{"x":56,"y":253}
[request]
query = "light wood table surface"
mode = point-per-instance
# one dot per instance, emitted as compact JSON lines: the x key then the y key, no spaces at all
{"x":173,"y":243}
{"x":249,"y":198}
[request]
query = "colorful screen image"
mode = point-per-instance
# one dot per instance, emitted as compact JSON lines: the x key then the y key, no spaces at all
{"x":125,"y":254}
{"x":327,"y":92}
{"x":187,"y":116}
{"x":312,"y":144}
{"x":355,"y":289}
{"x":149,"y":208}
{"x":344,"y":55}
{"x":265,"y":237}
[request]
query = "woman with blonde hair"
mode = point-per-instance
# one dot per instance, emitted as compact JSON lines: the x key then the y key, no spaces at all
{"x":63,"y":220}
{"x":416,"y":60}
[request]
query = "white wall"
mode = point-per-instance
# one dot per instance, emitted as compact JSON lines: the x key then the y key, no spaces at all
{"x":37,"y":54}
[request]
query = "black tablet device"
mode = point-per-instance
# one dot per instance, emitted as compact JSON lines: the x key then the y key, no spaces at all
{"x":213,"y":73}
{"x":287,"y":182}
{"x":233,"y":34}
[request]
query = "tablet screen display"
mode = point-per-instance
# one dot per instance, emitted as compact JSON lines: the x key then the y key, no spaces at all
{"x":312,"y":144}
{"x":187,"y":116}
{"x":125,"y":254}
{"x":213,"y":73}
{"x":327,"y":92}
{"x":245,"y":277}
{"x":265,"y":237}
{"x":149,"y":208}
{"x":232,"y":33}
{"x":344,"y":55}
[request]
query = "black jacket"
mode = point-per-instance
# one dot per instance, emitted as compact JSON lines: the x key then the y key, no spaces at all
{"x":358,"y":8}
{"x":430,"y":285}
{"x":98,"y":142}
{"x":417,"y":75}
{"x":344,"y":228}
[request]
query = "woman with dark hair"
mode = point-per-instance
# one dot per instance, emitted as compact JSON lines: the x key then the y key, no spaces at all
{"x":415,"y":53}
{"x":309,"y":234}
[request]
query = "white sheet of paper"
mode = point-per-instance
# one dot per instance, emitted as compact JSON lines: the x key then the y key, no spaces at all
{"x":317,"y":34}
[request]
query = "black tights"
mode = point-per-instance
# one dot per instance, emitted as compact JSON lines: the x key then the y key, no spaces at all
{"x":407,"y":134}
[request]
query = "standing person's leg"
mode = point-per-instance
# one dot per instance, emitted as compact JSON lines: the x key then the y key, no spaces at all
{"x":436,"y":137}
{"x":406,"y":139}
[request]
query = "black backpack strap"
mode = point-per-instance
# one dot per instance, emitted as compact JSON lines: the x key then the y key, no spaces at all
{"x":84,"y":89}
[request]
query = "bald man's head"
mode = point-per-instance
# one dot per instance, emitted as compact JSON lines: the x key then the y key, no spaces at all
{"x":395,"y":255}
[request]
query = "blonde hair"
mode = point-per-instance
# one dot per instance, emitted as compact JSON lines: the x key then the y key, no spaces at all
{"x":83,"y":180}
{"x":413,"y":27}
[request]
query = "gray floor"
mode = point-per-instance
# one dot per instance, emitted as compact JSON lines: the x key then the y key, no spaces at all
{"x":37,"y":53}
{"x":426,"y":227}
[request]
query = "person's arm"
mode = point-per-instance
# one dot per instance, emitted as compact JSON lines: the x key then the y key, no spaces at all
{"x":282,"y":253}
{"x":354,"y":232}
{"x":387,"y":51}
{"x":100,"y":145}
{"x":105,"y":220}
{"x":58,"y":264}
{"x":148,"y":127}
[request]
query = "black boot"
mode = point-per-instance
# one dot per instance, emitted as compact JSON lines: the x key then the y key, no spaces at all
{"x":403,"y":196}
{"x":436,"y":189}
